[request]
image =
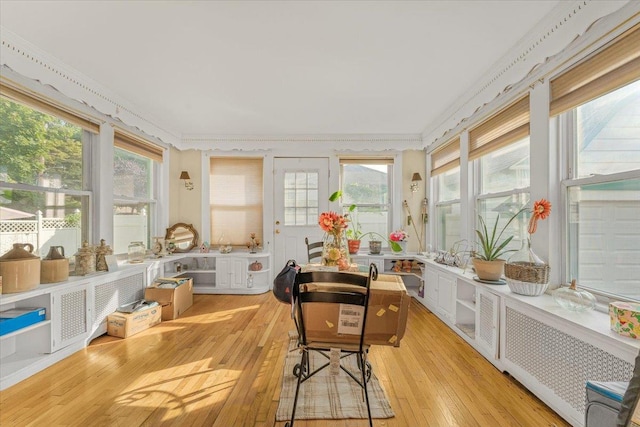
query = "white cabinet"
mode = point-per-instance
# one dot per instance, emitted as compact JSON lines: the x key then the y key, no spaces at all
{"x":487,"y":323}
{"x":446,"y":295}
{"x":440,"y":293}
{"x":231,"y":273}
{"x":431,"y":287}
{"x":216,"y":273}
{"x":69,"y":314}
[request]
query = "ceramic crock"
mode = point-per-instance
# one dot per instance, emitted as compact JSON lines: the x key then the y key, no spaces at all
{"x":20,"y":269}
{"x":55,"y":267}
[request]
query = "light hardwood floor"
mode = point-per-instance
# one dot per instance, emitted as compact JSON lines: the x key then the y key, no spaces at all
{"x":221,"y":365}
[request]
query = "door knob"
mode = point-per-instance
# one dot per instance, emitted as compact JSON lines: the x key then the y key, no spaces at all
{"x":277,"y":222}
{"x":277,"y":231}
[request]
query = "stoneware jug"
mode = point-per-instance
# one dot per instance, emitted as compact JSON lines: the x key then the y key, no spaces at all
{"x":54,"y":267}
{"x":20,"y":269}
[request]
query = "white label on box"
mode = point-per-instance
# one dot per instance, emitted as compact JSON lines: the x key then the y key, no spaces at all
{"x":350,"y":319}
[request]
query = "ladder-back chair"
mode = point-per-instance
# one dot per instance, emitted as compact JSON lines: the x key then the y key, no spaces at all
{"x":321,"y":287}
{"x":314,"y":251}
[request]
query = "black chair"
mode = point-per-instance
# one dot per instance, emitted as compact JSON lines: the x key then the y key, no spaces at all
{"x":327,"y":287}
{"x":314,"y":251}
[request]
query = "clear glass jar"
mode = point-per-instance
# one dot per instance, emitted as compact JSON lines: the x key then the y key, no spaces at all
{"x":136,"y":253}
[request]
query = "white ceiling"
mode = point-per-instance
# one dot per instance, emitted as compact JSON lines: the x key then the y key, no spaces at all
{"x":277,"y":68}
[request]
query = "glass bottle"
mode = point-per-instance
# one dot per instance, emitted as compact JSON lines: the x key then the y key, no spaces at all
{"x":136,"y":253}
{"x":525,"y":266}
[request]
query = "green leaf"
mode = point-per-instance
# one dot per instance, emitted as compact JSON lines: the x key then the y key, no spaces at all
{"x":335,"y":196}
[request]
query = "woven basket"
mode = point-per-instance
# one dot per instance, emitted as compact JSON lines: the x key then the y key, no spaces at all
{"x":527,"y":278}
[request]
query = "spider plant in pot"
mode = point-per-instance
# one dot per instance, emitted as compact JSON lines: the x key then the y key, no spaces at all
{"x":487,"y":258}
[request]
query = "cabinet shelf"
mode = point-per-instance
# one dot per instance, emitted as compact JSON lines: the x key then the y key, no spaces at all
{"x":24,"y":330}
{"x":18,"y":361}
{"x":468,"y":329}
{"x":471,"y":305}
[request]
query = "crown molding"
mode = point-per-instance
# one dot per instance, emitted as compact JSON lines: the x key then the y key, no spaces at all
{"x":342,"y":142}
{"x":26,"y":59}
{"x":553,"y":43}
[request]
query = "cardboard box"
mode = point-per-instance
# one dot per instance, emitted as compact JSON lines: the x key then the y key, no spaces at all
{"x":341,"y":323}
{"x":18,"y":318}
{"x":624,"y":318}
{"x":174,"y":301}
{"x":124,"y":325}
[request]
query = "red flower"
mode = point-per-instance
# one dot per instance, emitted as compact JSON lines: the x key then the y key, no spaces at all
{"x":541,"y":210}
{"x":331,"y":222}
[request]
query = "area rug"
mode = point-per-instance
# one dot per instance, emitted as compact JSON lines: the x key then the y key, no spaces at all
{"x":327,"y":396}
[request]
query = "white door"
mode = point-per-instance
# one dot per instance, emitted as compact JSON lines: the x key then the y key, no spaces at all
{"x":300,"y":194}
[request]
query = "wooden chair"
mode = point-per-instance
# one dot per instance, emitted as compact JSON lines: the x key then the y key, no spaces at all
{"x":314,"y":251}
{"x":325,"y":288}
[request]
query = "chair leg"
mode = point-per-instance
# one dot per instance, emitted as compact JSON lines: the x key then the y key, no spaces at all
{"x":363,"y":362}
{"x":303,"y":362}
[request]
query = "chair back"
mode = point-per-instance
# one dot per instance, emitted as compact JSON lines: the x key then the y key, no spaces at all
{"x":328,"y":287}
{"x":314,"y":251}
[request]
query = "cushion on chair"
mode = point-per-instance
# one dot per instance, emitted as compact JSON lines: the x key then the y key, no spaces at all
{"x":603,"y":402}
{"x":630,"y":398}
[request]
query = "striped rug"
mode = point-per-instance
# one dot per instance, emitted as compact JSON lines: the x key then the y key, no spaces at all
{"x":327,"y":396}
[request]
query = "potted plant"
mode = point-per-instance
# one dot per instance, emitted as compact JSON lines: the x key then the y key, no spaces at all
{"x":353,"y":233}
{"x":486,"y":258}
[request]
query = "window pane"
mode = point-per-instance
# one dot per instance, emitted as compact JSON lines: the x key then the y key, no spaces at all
{"x":300,"y":198}
{"x":604,"y":237}
{"x":449,"y":185}
{"x":505,"y":208}
{"x":56,"y":216}
{"x":132,"y":174}
{"x":365,"y":184}
{"x":447,"y":226}
{"x":39,"y":149}
{"x":608,"y":133}
{"x":130,"y":224}
{"x":505,"y":169}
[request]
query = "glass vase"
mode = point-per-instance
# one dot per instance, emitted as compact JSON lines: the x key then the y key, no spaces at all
{"x":526,"y":272}
{"x":335,"y":251}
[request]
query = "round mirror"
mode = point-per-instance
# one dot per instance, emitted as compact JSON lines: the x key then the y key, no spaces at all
{"x":184,"y":236}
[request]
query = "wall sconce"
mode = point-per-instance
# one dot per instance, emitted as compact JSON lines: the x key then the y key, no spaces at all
{"x":414,"y":182}
{"x":184,"y":175}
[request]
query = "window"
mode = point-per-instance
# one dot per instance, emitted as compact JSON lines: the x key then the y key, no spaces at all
{"x":445,"y":171}
{"x":599,"y":103}
{"x":500,"y":147}
{"x":134,"y":205}
{"x":236,"y":201}
{"x":367,"y":183}
{"x":44,"y":196}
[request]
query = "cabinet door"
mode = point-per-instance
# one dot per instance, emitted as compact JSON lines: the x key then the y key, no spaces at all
{"x":231,"y":273}
{"x":431,"y":286}
{"x":446,"y":296}
{"x":487,"y":314}
{"x":69,"y":316}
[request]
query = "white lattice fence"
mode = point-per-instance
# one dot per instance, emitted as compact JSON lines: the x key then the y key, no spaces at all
{"x":42,"y":233}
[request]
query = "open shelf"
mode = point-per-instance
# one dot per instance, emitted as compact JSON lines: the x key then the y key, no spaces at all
{"x":23,"y":330}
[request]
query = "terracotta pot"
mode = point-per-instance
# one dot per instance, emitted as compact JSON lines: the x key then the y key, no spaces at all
{"x":488,"y":270}
{"x":354,"y":246}
{"x":20,"y":269}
